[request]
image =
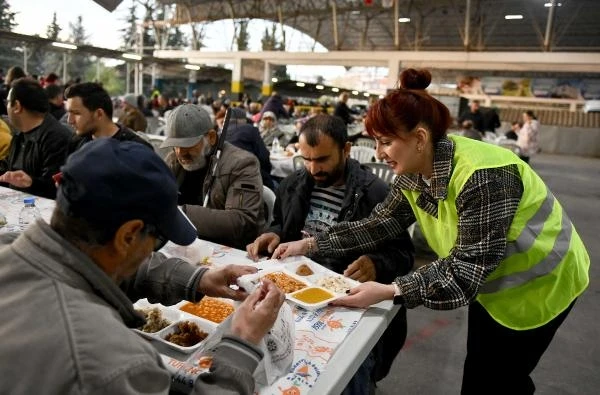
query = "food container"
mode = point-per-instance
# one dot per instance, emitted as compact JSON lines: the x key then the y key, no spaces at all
{"x":306,"y":270}
{"x":336,"y":283}
{"x":202,"y":325}
{"x":312,"y":298}
{"x":284,"y":280}
{"x":212,"y":309}
{"x":168,"y":313}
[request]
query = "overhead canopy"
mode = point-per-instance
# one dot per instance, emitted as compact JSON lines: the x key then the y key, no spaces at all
{"x":434,"y":25}
{"x":110,"y":5}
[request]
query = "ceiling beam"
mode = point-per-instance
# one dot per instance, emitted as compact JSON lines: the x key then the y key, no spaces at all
{"x":527,"y":61}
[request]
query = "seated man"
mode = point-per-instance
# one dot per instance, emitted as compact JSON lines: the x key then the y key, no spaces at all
{"x":234,"y":215}
{"x":40,"y":148}
{"x":90,"y":112}
{"x":331,"y":189}
{"x":60,"y":285}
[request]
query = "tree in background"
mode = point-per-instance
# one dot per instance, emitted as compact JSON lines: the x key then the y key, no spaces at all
{"x":161,"y":33}
{"x":50,"y":61}
{"x":241,"y":34}
{"x":129,"y":30}
{"x":270,"y":42}
{"x":79,"y":62}
{"x":8,"y":56}
{"x":111,"y":78}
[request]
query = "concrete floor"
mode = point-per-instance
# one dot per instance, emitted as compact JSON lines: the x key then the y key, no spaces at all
{"x":432,"y":359}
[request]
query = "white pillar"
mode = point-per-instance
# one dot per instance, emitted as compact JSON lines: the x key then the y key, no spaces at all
{"x":64,"y":73}
{"x":267,"y":86}
{"x":393,"y":73}
{"x":237,"y":84}
{"x":25,"y":59}
{"x":127,"y":77}
{"x":136,"y":78}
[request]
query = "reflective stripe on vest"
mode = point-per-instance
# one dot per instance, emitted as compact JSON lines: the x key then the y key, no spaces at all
{"x":525,"y":241}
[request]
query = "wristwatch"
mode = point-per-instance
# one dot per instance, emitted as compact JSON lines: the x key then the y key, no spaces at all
{"x":398,"y":298}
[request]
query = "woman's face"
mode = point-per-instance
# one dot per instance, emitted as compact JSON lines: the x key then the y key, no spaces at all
{"x":400,"y":153}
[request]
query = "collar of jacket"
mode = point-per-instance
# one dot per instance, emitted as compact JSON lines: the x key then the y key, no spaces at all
{"x":44,"y":248}
{"x":442,"y":170}
{"x":357,"y":179}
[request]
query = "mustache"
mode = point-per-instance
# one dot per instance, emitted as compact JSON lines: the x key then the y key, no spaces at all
{"x":320,"y":174}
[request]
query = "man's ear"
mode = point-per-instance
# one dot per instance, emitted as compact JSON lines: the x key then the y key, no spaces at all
{"x":16,"y":106}
{"x":99,"y":113}
{"x":127,"y":234}
{"x":347,"y":147}
{"x":212,"y":137}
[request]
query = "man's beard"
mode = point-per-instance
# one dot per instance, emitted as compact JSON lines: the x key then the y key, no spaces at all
{"x":200,"y":161}
{"x":330,"y":178}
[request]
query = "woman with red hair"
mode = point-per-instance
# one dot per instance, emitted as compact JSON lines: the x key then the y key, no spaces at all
{"x":505,"y":246}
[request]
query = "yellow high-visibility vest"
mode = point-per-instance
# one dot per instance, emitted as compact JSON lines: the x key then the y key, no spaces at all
{"x":545,"y":265}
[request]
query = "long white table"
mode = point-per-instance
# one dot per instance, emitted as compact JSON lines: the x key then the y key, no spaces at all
{"x":348,"y":355}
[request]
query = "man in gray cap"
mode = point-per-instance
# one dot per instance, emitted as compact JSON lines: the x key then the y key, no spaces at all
{"x":234,"y":215}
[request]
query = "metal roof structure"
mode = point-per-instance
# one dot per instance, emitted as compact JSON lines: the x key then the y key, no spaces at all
{"x":435,"y":25}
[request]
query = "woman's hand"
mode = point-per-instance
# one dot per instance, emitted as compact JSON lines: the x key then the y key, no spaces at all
{"x":292,"y":248}
{"x":366,"y":294}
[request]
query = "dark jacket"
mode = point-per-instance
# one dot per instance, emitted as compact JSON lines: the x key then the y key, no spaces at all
{"x":123,"y":134}
{"x":475,"y":117}
{"x":42,"y":157}
{"x":275,"y":105}
{"x":57,"y":111}
{"x":247,"y":137}
{"x":364,"y":191}
{"x":344,"y":112}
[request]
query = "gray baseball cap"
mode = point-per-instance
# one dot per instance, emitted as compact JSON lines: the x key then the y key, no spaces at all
{"x":186,"y":125}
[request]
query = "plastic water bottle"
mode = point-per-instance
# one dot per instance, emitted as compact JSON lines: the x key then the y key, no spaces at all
{"x":276,"y":147}
{"x":29,"y":213}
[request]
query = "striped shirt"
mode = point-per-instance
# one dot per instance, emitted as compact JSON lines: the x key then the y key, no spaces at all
{"x":324,"y":210}
{"x":486,"y":206}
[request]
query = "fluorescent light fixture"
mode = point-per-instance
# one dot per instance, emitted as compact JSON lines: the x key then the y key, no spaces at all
{"x":192,"y":67}
{"x":274,"y":79}
{"x":355,"y":92}
{"x":518,"y":16}
{"x":132,"y":56}
{"x":403,"y":20}
{"x":355,"y":12}
{"x":300,"y":84}
{"x":381,"y":96}
{"x":335,"y":89}
{"x":548,"y":5}
{"x":366,"y":94}
{"x":64,"y":45}
{"x":320,"y":87}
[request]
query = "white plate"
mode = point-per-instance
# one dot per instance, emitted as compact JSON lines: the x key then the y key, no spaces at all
{"x":169,"y":313}
{"x":312,"y":306}
{"x":204,"y":325}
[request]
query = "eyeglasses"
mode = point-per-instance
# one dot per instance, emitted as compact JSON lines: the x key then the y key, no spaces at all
{"x":160,"y":239}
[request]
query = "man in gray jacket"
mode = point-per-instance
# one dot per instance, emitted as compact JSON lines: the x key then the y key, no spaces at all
{"x":234,"y":215}
{"x":65,"y":327}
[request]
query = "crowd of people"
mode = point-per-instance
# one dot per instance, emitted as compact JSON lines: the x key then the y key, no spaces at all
{"x":505,"y":246}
